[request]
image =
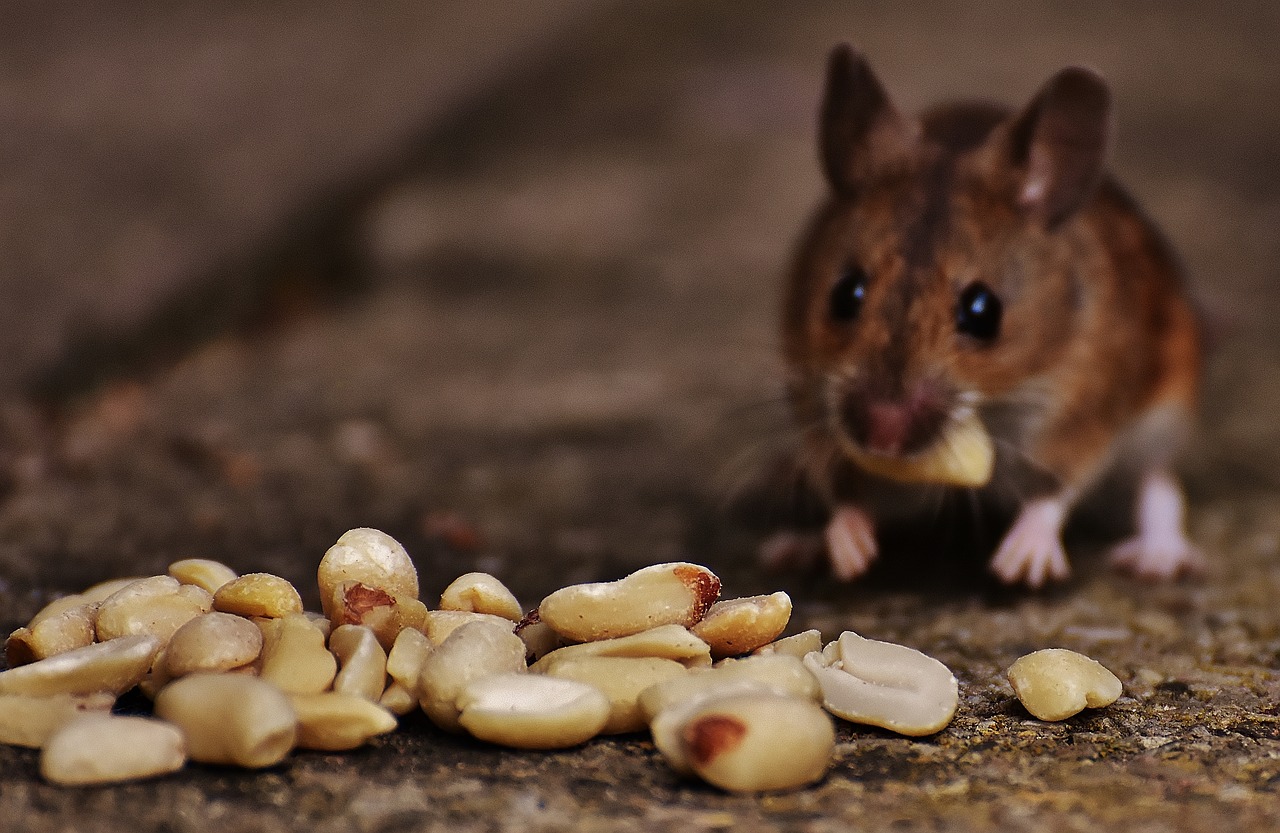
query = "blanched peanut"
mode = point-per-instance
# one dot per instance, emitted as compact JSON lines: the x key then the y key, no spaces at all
{"x":530,"y":711}
{"x":52,"y":633}
{"x":1055,"y":683}
{"x":294,"y":656}
{"x":740,"y":626}
{"x":664,"y":594}
{"x":439,"y":624}
{"x":29,"y":719}
{"x":204,"y":573}
{"x":100,"y":591}
{"x":667,"y":641}
{"x":965,"y":456}
{"x":886,"y":685}
{"x":230,"y":719}
{"x":114,"y":666}
{"x":362,"y":664}
{"x":475,"y":650}
{"x":212,"y":642}
{"x":370,"y":557}
{"x":355,"y":603}
{"x":539,"y":638}
{"x":778,"y":674}
{"x":103,"y":749}
{"x":750,"y":742}
{"x":404,"y":660}
{"x":481,"y":593}
{"x":334,"y":722}
{"x":398,"y":699}
{"x":621,"y":679}
{"x":157,"y":606}
{"x":796,"y":645}
{"x":320,"y":621}
{"x":258,"y":594}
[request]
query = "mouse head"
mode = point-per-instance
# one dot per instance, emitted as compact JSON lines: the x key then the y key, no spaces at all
{"x":944,"y":270}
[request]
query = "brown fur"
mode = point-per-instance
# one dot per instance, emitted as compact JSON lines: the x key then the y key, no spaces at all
{"x":1097,"y":330}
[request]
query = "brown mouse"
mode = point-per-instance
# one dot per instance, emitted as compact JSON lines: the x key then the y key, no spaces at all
{"x":981,"y":261}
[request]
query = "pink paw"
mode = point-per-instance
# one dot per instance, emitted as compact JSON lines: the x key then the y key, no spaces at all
{"x":1031,"y":552}
{"x":851,"y":542}
{"x":1158,"y":559}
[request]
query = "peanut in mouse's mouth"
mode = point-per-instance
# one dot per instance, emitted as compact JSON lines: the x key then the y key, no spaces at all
{"x":962,"y":454}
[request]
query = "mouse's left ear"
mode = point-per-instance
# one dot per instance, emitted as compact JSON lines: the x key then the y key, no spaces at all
{"x":1057,"y":146}
{"x":860,"y":131}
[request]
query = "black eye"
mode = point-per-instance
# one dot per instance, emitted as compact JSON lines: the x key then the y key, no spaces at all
{"x":978,"y":313}
{"x":848,"y":293}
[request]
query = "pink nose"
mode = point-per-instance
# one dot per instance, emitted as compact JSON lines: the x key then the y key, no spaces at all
{"x":887,"y":426}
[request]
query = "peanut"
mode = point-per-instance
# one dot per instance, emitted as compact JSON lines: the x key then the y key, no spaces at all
{"x":202,"y":572}
{"x":666,"y":641}
{"x":372,"y":558}
{"x":230,"y":719}
{"x":621,"y":680}
{"x":529,"y":711}
{"x":664,"y":594}
{"x":481,"y":593}
{"x":740,"y":626}
{"x":258,"y":594}
{"x":886,"y":685}
{"x":158,"y":606}
{"x":475,"y":650}
{"x":1055,"y":683}
{"x":29,"y":720}
{"x":115,"y":666}
{"x":212,"y":642}
{"x":362,"y":664}
{"x":105,"y":748}
{"x":294,"y":657}
{"x":779,"y":674}
{"x":796,"y":645}
{"x":51,"y":633}
{"x":753,"y":742}
{"x":334,"y":722}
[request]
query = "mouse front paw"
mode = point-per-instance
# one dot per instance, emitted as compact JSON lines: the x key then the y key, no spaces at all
{"x":1158,"y":559}
{"x":851,"y":542}
{"x":1031,"y":552}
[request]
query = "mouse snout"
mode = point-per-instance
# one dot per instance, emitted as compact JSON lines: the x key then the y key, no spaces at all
{"x":894,"y":426}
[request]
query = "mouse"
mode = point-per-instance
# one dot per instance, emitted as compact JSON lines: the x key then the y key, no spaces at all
{"x":978,"y":267}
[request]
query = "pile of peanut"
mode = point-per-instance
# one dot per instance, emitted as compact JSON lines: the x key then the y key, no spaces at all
{"x":239,"y":673}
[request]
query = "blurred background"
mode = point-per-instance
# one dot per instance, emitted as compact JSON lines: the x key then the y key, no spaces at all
{"x":504,"y":284}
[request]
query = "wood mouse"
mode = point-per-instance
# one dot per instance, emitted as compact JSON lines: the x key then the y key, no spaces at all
{"x":980,"y":262}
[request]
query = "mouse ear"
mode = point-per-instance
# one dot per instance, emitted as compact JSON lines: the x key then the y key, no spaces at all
{"x":1058,"y":144}
{"x":860,"y":129}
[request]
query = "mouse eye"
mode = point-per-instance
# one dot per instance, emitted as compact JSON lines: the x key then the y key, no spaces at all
{"x":978,"y":312}
{"x":848,"y":294}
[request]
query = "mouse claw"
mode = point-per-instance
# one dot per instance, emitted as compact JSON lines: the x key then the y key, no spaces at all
{"x":1163,"y":559}
{"x":851,"y":542}
{"x":1031,"y":552}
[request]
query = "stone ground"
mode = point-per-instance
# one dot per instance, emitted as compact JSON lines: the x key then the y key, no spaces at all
{"x":553,"y":358}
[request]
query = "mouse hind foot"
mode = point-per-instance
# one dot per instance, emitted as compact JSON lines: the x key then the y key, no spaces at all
{"x":1160,"y":550}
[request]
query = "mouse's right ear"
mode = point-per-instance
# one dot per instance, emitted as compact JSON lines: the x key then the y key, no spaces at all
{"x":860,"y":129}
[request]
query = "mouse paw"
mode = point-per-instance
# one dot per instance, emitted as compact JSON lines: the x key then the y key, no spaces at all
{"x":1160,"y":558}
{"x":851,"y":542}
{"x":1031,"y":552}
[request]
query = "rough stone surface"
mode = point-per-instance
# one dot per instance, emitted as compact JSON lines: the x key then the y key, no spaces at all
{"x":563,"y":367}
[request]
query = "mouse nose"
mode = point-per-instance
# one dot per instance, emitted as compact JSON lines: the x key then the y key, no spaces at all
{"x":887,"y":426}
{"x":894,"y":426}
